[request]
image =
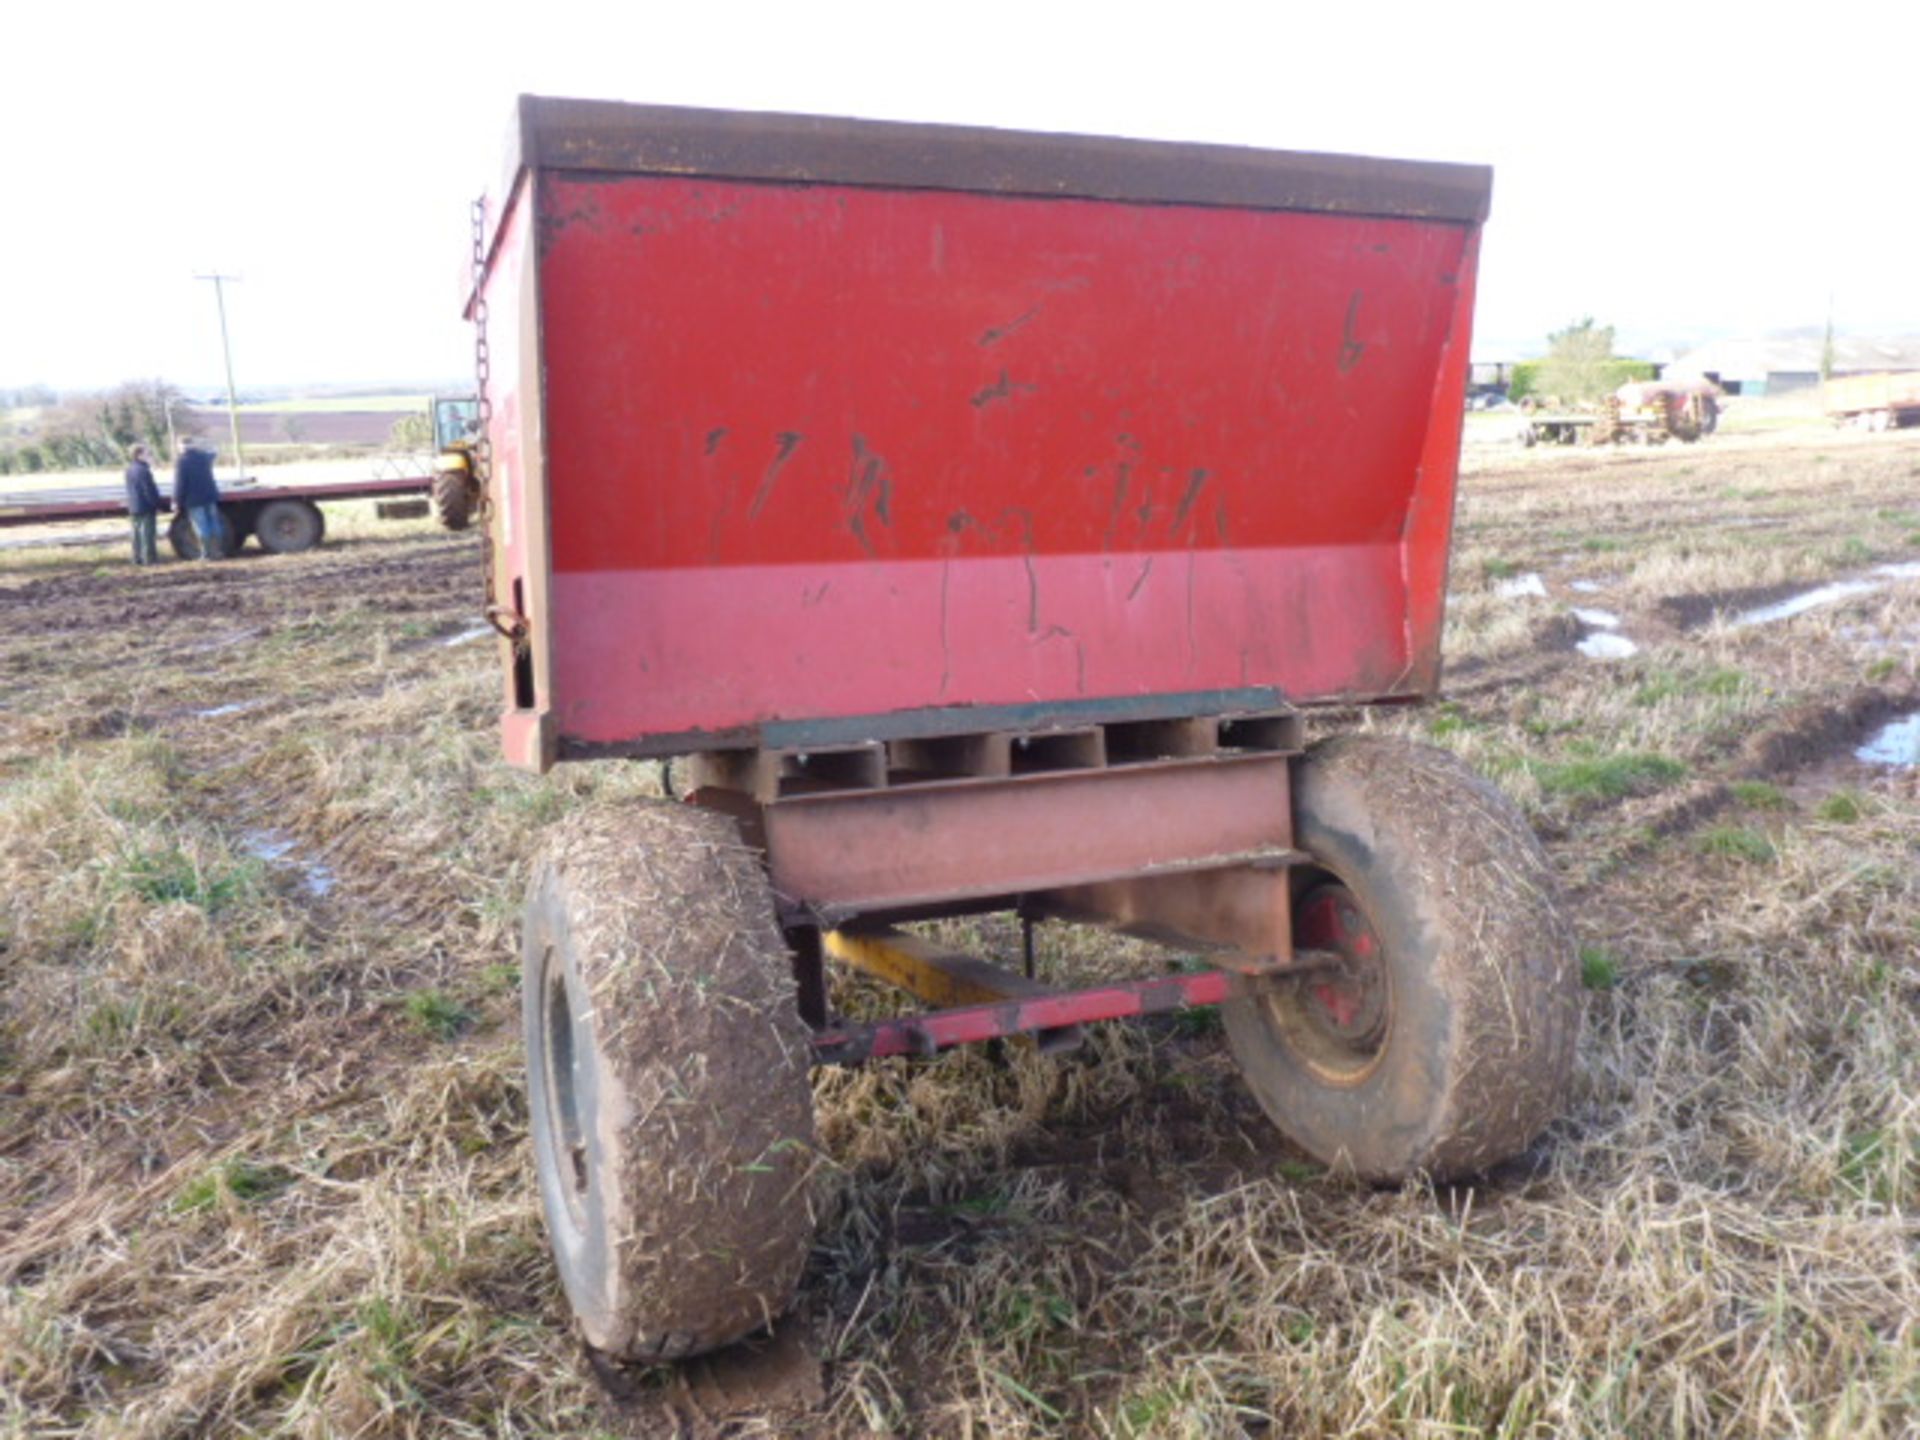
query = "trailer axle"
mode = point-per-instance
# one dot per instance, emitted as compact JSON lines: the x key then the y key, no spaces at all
{"x":937,"y":1030}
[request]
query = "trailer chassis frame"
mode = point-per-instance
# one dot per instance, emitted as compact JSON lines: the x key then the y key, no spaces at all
{"x":1178,"y":830}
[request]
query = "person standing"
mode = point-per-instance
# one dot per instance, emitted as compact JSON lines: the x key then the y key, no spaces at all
{"x":196,"y":495}
{"x":143,"y":506}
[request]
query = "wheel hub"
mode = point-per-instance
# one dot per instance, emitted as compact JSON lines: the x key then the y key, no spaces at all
{"x":1336,"y":1015}
{"x":1347,"y":1000}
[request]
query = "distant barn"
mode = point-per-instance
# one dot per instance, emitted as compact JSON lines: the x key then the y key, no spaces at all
{"x":1782,"y":365}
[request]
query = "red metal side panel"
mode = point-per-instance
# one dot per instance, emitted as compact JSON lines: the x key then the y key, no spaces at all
{"x":520,"y":556}
{"x":1428,"y":538}
{"x":819,"y":451}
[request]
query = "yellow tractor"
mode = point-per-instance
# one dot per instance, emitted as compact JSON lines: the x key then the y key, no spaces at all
{"x":456,"y":486}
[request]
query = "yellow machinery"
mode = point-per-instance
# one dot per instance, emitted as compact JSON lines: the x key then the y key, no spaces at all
{"x":456,"y":486}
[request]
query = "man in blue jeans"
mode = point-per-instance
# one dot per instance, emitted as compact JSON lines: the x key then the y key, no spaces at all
{"x":143,"y":504}
{"x":197,"y":496}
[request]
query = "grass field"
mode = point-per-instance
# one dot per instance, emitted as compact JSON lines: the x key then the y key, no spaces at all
{"x":263,"y":1154}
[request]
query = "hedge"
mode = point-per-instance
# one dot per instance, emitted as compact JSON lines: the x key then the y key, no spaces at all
{"x":1527,"y":375}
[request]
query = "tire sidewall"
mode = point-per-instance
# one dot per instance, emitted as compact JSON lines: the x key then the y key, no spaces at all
{"x":1380,"y":1124}
{"x":452,"y":498}
{"x":185,"y":540}
{"x":1484,"y":984}
{"x":689,"y":1081}
{"x":309,"y":526}
{"x":581,"y":1250}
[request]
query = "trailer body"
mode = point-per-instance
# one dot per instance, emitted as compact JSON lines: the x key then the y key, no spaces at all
{"x":807,"y":432}
{"x":1883,"y":401}
{"x":978,"y":511}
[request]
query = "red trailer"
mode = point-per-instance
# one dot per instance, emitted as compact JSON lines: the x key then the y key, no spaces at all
{"x":982,"y":513}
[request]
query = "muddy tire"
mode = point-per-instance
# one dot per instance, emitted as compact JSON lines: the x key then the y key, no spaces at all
{"x":1443,"y":1042}
{"x":452,"y":496}
{"x":667,"y":1065}
{"x":286,"y":527}
{"x":186,"y":541}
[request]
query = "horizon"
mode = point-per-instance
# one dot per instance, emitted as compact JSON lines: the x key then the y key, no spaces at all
{"x":338,"y":189}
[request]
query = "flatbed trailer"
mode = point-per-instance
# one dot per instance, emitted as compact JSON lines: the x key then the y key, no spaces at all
{"x":285,"y":519}
{"x":1618,"y":424}
{"x":1885,"y":401}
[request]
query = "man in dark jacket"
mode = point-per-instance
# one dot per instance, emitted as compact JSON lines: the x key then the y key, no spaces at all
{"x":197,"y":496}
{"x":143,"y":505}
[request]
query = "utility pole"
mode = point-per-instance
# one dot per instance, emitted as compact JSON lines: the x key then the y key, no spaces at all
{"x":226,"y":350}
{"x":1826,"y":346}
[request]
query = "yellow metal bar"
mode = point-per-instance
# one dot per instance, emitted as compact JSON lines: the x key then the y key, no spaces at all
{"x":938,"y":976}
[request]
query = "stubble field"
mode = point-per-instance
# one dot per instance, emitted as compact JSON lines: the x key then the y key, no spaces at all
{"x":263,"y":1155}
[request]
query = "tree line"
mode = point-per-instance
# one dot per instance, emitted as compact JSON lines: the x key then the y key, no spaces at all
{"x":86,"y":431}
{"x":1579,"y":367}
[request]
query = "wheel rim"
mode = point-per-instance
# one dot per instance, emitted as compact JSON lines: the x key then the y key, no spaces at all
{"x":1335,"y":1017}
{"x":563,"y":1103}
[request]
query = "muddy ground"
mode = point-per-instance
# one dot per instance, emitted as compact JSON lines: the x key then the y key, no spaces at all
{"x":263,"y":1160}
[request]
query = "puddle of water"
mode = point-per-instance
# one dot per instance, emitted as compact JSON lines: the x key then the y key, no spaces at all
{"x":1803,"y":602}
{"x":1826,"y":595}
{"x":1520,"y":586}
{"x":235,"y":707}
{"x":276,"y":847}
{"x":1896,"y":743}
{"x":268,"y":845}
{"x":1607,"y":646}
{"x":1599,"y":619}
{"x":467,"y":637}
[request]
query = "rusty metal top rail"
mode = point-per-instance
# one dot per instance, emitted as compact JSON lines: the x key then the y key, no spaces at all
{"x":610,"y":136}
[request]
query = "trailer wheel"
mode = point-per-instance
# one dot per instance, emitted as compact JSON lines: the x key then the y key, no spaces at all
{"x":667,"y":1070}
{"x":1442,"y":1042}
{"x":186,"y":541}
{"x":452,"y":496}
{"x":286,"y":527}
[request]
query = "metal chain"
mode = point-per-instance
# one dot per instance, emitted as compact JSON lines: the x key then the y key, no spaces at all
{"x":509,"y":622}
{"x":482,"y":359}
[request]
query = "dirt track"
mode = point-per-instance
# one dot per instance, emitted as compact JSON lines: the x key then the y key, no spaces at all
{"x":262,"y":1131}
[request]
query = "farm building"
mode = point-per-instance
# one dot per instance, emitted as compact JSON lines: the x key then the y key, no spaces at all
{"x":1782,"y":364}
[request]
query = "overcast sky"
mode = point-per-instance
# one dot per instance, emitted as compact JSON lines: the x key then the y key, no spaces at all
{"x":1678,"y":171}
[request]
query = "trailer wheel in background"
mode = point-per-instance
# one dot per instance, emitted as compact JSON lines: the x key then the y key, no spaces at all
{"x":1443,"y":1040}
{"x":667,"y":1067}
{"x":288,"y":526}
{"x":186,"y":543}
{"x":452,"y":496}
